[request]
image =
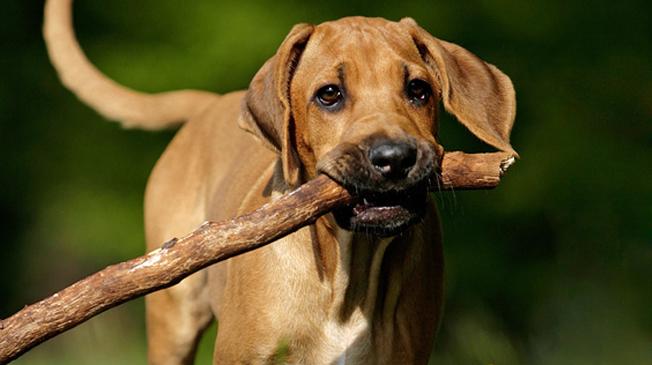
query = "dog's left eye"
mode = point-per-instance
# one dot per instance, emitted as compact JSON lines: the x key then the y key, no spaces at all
{"x":418,"y":91}
{"x":329,"y":95}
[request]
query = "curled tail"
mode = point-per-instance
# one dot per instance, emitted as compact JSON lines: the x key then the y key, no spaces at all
{"x":131,"y":108}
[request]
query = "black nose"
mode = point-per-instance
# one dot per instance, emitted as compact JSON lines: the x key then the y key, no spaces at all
{"x":393,"y":160}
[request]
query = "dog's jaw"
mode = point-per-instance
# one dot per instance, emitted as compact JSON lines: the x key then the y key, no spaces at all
{"x":382,"y":207}
{"x":384,"y":214}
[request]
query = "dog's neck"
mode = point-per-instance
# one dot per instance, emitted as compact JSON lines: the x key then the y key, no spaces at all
{"x":356,"y":268}
{"x":354,"y":265}
{"x":364,"y":286}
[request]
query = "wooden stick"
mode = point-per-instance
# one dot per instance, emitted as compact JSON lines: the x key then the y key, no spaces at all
{"x":210,"y":243}
{"x":471,"y":171}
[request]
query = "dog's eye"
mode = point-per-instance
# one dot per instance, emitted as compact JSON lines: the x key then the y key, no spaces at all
{"x":329,"y":95}
{"x":418,"y":91}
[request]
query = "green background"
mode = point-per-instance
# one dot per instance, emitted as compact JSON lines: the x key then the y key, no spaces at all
{"x":553,"y":267}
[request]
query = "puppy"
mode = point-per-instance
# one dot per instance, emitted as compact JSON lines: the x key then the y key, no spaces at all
{"x":355,"y":99}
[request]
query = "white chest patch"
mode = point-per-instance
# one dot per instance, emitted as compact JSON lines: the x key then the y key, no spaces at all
{"x":344,"y":340}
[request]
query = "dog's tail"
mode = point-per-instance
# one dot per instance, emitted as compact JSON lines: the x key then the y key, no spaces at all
{"x":131,"y":108}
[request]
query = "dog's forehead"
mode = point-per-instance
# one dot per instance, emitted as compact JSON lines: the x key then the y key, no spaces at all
{"x":358,"y":22}
{"x":360,"y":35}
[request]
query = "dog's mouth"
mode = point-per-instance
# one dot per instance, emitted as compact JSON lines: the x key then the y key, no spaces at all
{"x":384,"y":213}
{"x":383,"y":205}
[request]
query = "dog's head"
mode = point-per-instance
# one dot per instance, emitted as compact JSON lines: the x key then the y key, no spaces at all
{"x":357,"y":99}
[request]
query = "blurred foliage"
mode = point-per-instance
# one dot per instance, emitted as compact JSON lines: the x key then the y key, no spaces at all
{"x":553,"y":267}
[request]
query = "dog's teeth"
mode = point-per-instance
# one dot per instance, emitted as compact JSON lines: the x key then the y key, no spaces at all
{"x":365,"y":201}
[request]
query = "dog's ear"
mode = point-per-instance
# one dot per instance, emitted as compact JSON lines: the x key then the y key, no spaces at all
{"x":266,"y":111}
{"x":478,"y":94}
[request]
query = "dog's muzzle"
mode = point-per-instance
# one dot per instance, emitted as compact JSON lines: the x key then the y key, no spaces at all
{"x":389,"y":179}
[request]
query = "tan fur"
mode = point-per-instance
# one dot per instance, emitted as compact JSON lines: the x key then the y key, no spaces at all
{"x":329,"y":296}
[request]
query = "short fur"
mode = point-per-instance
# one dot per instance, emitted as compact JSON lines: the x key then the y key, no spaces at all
{"x":324,"y":294}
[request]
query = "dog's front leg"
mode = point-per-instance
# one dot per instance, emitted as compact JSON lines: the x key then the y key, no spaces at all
{"x":176,"y":318}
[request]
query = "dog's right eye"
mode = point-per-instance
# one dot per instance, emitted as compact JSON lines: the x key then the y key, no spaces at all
{"x":418,"y":91}
{"x":329,"y":96}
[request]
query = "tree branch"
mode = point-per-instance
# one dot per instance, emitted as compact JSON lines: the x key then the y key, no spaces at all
{"x":210,"y":243}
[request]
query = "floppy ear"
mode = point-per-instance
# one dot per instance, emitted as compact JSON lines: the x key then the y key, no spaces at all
{"x":480,"y":96}
{"x":266,"y":111}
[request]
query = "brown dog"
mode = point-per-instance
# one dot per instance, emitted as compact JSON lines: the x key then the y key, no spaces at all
{"x":355,"y":99}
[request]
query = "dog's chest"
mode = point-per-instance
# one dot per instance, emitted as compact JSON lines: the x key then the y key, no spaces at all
{"x":344,"y":343}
